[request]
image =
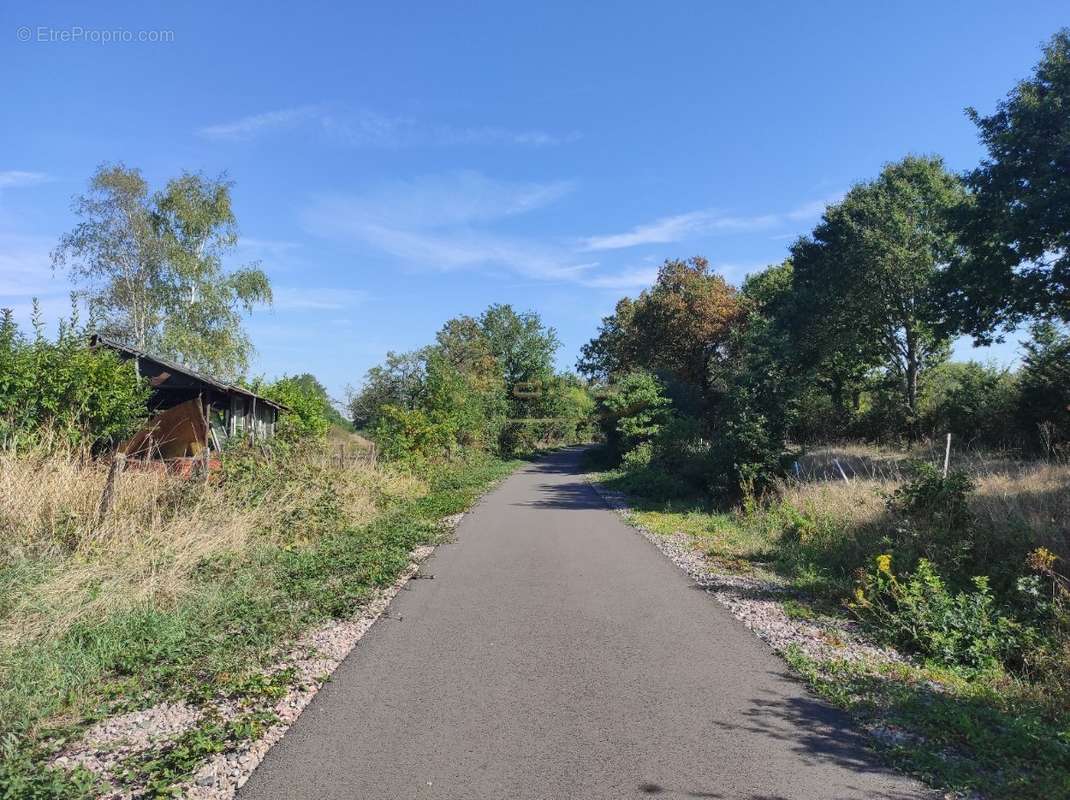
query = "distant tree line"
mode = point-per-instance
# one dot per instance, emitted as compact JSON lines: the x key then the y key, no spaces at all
{"x":487,"y":383}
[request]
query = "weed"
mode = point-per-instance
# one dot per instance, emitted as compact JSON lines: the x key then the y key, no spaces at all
{"x":158,"y":772}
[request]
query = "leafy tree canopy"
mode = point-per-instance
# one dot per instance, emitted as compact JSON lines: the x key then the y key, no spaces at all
{"x":674,"y":328}
{"x":150,"y":265}
{"x":1019,"y":235}
{"x":868,"y":274}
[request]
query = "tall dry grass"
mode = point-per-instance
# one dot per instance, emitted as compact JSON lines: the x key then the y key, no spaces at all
{"x":60,"y":563}
{"x":1013,"y":497}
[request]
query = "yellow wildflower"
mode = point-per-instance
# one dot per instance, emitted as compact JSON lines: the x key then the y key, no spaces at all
{"x":884,"y":563}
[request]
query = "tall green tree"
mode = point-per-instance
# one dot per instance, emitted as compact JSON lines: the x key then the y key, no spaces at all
{"x":612,"y":352}
{"x":150,"y":265}
{"x":524,"y":348}
{"x":1018,"y":234}
{"x":205,"y":302}
{"x":868,"y":275}
{"x":400,"y":381}
{"x":115,"y":255}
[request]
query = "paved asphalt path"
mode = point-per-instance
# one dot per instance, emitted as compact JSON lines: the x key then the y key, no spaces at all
{"x":557,"y":655}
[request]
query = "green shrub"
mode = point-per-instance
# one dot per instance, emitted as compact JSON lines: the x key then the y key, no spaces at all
{"x":632,"y":411}
{"x":682,"y":449}
{"x":308,"y":413}
{"x":1044,"y":404}
{"x":971,"y":401}
{"x":747,"y":453}
{"x":402,"y":433}
{"x":919,"y":613}
{"x":934,"y":518}
{"x":638,"y":457}
{"x":64,"y":387}
{"x":522,"y":436}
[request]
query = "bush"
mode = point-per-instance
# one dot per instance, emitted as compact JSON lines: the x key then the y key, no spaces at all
{"x":402,"y":433}
{"x":971,"y":401}
{"x":638,"y":458}
{"x":748,"y":451}
{"x":965,"y":629}
{"x":1044,"y":404}
{"x":521,"y":436}
{"x":682,"y":450}
{"x":87,"y":396}
{"x":309,"y":413}
{"x":632,"y":411}
{"x":935,"y":518}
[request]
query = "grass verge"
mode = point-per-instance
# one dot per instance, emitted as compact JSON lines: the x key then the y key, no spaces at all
{"x":313,"y":561}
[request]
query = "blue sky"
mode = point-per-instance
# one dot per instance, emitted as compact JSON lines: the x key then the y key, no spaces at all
{"x":397,"y":164}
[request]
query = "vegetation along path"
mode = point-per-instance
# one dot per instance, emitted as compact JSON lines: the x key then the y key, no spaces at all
{"x":556,"y":654}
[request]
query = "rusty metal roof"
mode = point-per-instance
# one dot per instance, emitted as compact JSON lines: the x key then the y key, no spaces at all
{"x":101,"y":340}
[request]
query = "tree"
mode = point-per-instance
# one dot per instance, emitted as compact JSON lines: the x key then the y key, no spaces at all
{"x":1018,"y":235}
{"x":611,"y":353}
{"x":310,"y":413}
{"x":204,"y":302}
{"x":524,"y":348}
{"x":1045,"y":388}
{"x":115,"y":254}
{"x":868,"y":274}
{"x":466,"y":347}
{"x":973,"y":401}
{"x":399,"y":381}
{"x":684,"y":320}
{"x":151,"y":267}
{"x":674,"y":328}
{"x":633,"y":410}
{"x":757,"y":382}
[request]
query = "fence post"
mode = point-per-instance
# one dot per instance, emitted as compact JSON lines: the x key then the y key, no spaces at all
{"x":947,"y":454}
{"x":107,"y":497}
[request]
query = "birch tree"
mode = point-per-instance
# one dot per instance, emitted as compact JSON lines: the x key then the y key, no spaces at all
{"x":151,"y":267}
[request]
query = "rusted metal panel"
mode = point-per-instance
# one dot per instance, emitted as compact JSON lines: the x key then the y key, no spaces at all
{"x":178,"y":432}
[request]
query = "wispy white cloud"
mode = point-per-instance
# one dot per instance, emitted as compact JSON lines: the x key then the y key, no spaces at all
{"x":701,"y":223}
{"x":26,"y":267}
{"x":434,"y":201}
{"x":17,"y":178}
{"x":675,"y":228}
{"x":298,"y":298}
{"x":492,"y":135}
{"x":627,"y":279}
{"x":814,"y":208}
{"x":444,"y":222}
{"x":369,"y":128}
{"x":253,"y":125}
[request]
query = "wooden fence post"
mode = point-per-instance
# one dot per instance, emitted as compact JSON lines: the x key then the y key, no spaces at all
{"x":107,"y":497}
{"x":947,"y":454}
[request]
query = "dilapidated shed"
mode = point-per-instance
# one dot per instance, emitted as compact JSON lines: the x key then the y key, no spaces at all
{"x":228,"y":411}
